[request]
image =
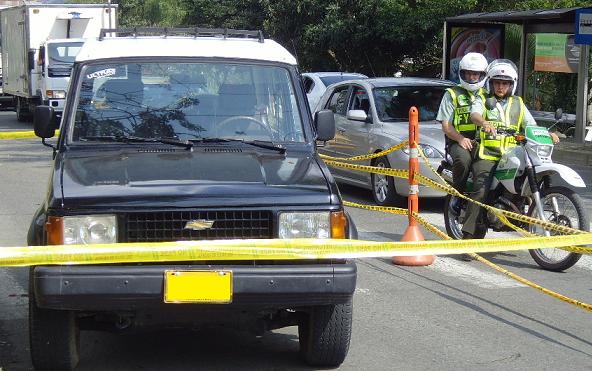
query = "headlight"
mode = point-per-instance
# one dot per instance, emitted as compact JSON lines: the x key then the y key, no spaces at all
{"x":428,"y":151}
{"x":82,"y":230}
{"x":544,"y":150}
{"x":56,"y":94}
{"x":313,"y":224}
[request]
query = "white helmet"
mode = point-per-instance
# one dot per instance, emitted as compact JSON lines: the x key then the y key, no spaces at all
{"x":473,"y":62}
{"x":502,"y":69}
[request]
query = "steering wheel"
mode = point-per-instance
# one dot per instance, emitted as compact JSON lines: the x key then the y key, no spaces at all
{"x":229,"y":120}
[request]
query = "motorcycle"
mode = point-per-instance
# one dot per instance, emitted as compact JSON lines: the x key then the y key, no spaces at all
{"x":522,"y":184}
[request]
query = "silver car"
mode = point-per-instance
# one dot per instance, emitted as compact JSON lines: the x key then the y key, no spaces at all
{"x":372,"y":115}
{"x":316,"y":83}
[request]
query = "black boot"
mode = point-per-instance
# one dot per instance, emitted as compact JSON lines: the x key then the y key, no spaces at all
{"x":466,"y":257}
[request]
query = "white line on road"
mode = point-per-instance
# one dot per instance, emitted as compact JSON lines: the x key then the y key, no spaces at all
{"x":471,"y":272}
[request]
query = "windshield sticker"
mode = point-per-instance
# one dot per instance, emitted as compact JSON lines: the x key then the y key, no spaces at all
{"x":101,"y":73}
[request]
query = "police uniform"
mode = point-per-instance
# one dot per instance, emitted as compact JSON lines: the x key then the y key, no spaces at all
{"x":455,"y":108}
{"x":511,"y":113}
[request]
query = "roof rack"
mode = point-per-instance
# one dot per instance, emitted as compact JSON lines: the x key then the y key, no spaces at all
{"x":194,"y":31}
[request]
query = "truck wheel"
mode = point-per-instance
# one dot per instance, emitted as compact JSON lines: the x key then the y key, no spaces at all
{"x":22,"y":114}
{"x":325,"y":333}
{"x":54,"y":337}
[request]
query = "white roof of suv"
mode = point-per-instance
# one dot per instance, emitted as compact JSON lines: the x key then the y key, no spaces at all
{"x":178,"y":46}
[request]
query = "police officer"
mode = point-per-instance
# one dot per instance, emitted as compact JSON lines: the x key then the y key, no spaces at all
{"x":510,"y":112}
{"x":454,"y":114}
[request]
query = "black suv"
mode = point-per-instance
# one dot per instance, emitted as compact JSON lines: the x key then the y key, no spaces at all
{"x":188,"y":138}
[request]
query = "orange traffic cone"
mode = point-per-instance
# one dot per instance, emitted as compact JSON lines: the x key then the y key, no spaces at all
{"x":413,"y":232}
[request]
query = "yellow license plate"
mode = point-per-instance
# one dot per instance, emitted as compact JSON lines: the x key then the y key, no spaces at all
{"x":208,"y":287}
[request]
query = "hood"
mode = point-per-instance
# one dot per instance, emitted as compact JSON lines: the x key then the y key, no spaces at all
{"x":430,"y":132}
{"x":180,"y":178}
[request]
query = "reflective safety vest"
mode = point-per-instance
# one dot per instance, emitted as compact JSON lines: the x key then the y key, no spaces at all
{"x":492,"y":147}
{"x":462,"y":100}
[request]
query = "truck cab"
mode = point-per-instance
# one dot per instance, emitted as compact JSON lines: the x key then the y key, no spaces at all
{"x":39,"y":43}
{"x":56,"y":58}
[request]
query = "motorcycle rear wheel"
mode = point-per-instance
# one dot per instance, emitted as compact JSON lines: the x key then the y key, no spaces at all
{"x":572,"y":213}
{"x":453,"y":225}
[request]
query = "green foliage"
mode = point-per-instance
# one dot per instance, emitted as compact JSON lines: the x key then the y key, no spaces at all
{"x":376,"y":37}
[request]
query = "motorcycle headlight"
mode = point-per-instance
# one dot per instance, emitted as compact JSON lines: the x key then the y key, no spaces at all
{"x":312,"y":224}
{"x":428,"y":151}
{"x":544,"y":150}
{"x":82,"y":230}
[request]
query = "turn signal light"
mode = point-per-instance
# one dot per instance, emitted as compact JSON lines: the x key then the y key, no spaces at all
{"x":338,"y":224}
{"x":54,"y":228}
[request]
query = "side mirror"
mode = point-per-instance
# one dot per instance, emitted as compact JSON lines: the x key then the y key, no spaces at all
{"x":558,"y":114}
{"x":325,"y":124}
{"x":31,"y":60}
{"x":43,"y":122}
{"x":490,"y":103}
{"x":357,"y":115}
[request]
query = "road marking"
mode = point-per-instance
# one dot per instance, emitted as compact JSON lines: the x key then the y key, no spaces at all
{"x":471,"y":272}
{"x":10,"y":297}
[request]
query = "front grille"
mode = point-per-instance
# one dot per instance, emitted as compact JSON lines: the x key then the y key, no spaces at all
{"x":169,"y":225}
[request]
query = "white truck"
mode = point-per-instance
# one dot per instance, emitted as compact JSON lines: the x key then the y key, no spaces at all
{"x":39,"y":45}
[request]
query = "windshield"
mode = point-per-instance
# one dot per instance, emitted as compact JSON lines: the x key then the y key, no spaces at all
{"x":328,"y":80}
{"x":65,"y":52}
{"x":393,"y":103}
{"x":187,"y":101}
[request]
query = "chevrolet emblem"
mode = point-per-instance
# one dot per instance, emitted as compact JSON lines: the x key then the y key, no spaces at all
{"x":199,"y":224}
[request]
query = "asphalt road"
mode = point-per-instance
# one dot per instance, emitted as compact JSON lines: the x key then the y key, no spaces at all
{"x":448,"y":316}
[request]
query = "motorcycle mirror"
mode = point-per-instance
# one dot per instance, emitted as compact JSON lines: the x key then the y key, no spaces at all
{"x":558,"y":113}
{"x":490,"y":103}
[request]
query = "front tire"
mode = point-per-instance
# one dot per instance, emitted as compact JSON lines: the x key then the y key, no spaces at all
{"x":383,"y":186}
{"x":572,"y":213}
{"x":54,"y":337}
{"x":325,"y":333}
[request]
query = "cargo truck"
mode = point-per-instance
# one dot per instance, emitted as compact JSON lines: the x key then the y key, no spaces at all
{"x":40,"y":43}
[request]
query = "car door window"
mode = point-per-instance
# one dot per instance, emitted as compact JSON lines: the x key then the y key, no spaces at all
{"x":308,"y":84}
{"x":338,"y":101}
{"x":360,"y":100}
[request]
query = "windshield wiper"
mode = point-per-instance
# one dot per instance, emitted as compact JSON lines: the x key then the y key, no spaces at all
{"x":255,"y":143}
{"x":131,"y":139}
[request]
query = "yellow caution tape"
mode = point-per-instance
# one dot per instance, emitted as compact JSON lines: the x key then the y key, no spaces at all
{"x":371,"y":169}
{"x":445,"y":187}
{"x":20,"y":134}
{"x":386,"y":209}
{"x":514,"y":276}
{"x":522,"y":218}
{"x":430,"y":227}
{"x":266,"y":249}
{"x":369,"y":156}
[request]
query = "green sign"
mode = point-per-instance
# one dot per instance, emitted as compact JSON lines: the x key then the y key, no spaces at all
{"x":556,"y":53}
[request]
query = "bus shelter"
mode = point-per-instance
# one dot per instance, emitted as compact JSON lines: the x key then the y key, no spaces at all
{"x":544,"y":42}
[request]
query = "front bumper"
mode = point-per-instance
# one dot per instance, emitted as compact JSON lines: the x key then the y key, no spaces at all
{"x":129,"y":288}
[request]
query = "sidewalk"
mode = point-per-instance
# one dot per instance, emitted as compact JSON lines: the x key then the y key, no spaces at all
{"x":568,"y":152}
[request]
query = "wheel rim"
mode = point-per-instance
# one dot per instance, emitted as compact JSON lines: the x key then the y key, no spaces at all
{"x":380,"y":186}
{"x":567,"y":216}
